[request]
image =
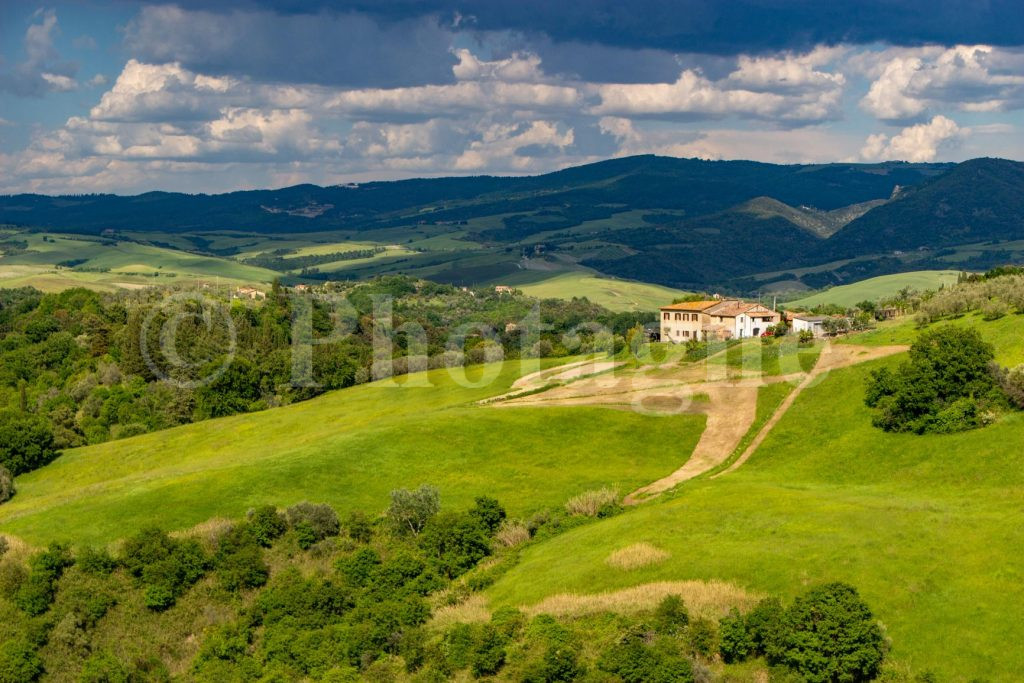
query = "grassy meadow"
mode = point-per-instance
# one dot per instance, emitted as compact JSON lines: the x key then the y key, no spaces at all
{"x":348,"y":448}
{"x":927,"y":527}
{"x":107,"y":267}
{"x":616,"y":295}
{"x":876,"y":288}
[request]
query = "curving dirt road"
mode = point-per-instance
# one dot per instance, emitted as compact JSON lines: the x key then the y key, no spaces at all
{"x":729,"y":402}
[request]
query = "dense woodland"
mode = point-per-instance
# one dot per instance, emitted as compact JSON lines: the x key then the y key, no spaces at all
{"x":300,"y":595}
{"x":80,"y":367}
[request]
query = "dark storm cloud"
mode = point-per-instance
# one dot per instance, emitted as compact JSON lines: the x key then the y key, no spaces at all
{"x":343,"y":48}
{"x":724,"y":27}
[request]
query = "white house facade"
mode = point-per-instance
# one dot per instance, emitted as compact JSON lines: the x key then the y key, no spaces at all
{"x":815,"y":324}
{"x":717,"y":319}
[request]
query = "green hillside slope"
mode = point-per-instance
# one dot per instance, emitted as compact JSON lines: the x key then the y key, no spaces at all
{"x":615,"y":295}
{"x":927,"y":527}
{"x":348,"y":448}
{"x":876,"y":288}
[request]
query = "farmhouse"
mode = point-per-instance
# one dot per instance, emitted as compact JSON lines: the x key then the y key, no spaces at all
{"x":815,"y":324}
{"x":715,"y":319}
{"x":249,"y":293}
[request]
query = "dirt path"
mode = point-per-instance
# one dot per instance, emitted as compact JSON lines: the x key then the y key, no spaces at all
{"x":832,"y":357}
{"x":728,"y":401}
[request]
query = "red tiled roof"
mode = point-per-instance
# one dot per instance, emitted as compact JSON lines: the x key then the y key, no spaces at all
{"x":694,"y":306}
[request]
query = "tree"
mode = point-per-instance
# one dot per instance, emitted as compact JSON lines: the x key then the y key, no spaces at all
{"x":456,"y":542}
{"x":1011,"y":381}
{"x":26,"y":442}
{"x":735,"y":641}
{"x":6,"y":485}
{"x":313,"y":522}
{"x":410,"y":511}
{"x":489,"y":512}
{"x":831,"y":635}
{"x":267,"y":524}
{"x":939,"y":387}
{"x":19,"y":662}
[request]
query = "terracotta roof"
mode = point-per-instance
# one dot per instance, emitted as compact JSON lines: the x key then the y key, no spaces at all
{"x":731,"y":309}
{"x":691,"y":306}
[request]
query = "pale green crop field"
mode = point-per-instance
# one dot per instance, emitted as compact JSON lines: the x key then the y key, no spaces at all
{"x":617,"y":295}
{"x":876,"y":288}
{"x":108,"y":267}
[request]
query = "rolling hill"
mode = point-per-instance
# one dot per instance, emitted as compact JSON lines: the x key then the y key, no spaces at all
{"x":348,"y":448}
{"x":682,"y":223}
{"x":825,"y":497}
{"x":876,"y":288}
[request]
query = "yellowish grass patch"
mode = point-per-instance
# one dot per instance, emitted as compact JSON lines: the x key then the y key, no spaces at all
{"x":472,"y":610}
{"x":590,"y":503}
{"x":636,"y":556}
{"x":710,"y":599}
{"x":512,"y":533}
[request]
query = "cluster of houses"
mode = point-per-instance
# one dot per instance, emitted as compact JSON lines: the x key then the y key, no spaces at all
{"x":720,"y":319}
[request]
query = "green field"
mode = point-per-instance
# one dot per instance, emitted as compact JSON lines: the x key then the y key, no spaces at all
{"x":876,"y":288}
{"x":927,"y":527}
{"x":348,"y":448}
{"x":616,"y":295}
{"x":111,"y":266}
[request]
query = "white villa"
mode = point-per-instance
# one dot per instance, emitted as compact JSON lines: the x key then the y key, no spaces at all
{"x":715,"y":319}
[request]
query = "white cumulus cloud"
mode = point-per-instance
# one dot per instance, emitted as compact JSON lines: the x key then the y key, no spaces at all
{"x":976,"y":78}
{"x":920,"y":142}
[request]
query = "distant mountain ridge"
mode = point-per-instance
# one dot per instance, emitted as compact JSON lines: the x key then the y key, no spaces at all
{"x":650,"y":182}
{"x":678,"y":222}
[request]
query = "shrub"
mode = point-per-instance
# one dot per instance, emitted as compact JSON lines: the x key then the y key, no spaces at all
{"x":735,"y":642}
{"x":357,"y":567}
{"x":633,"y":661}
{"x":410,"y":511}
{"x":764,"y":625}
{"x":6,"y":484}
{"x":313,"y":522}
{"x":599,"y":503}
{"x":512,"y":533}
{"x":488,"y":512}
{"x":489,"y":653}
{"x":702,"y":637}
{"x":19,"y":662}
{"x":671,"y":615}
{"x":805,"y":338}
{"x":559,"y":663}
{"x":359,"y":527}
{"x":167,"y":567}
{"x":26,"y":442}
{"x":455,"y":542}
{"x":96,"y":561}
{"x":829,"y":634}
{"x":103,"y":667}
{"x":243,"y":568}
{"x":35,"y":595}
{"x":1012,"y":384}
{"x":267,"y":524}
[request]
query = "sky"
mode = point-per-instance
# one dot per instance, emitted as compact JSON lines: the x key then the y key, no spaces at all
{"x":127,"y":97}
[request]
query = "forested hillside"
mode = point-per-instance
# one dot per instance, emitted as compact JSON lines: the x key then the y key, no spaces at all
{"x":80,"y":367}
